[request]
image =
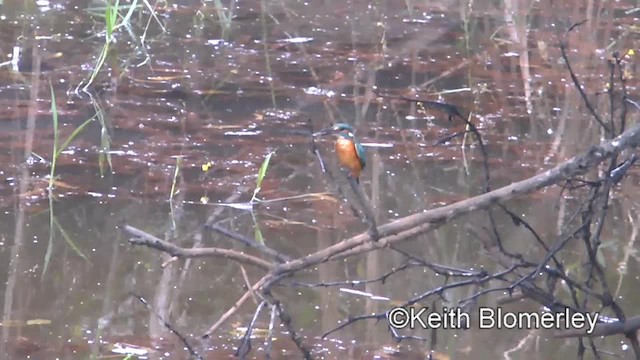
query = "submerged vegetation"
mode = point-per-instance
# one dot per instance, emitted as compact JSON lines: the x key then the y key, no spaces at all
{"x":54,"y":225}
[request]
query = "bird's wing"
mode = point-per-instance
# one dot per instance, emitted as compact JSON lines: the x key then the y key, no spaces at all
{"x":361,"y":154}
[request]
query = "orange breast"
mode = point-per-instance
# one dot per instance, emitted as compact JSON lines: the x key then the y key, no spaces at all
{"x":348,"y":156}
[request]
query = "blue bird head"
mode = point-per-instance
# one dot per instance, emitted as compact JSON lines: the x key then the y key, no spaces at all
{"x":339,"y":128}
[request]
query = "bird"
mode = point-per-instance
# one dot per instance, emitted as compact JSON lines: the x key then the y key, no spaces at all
{"x":351,"y":154}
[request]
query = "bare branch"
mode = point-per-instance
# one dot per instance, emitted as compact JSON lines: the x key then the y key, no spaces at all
{"x":146,"y":239}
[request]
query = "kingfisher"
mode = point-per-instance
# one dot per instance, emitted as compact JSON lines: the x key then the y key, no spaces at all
{"x":350,"y":152}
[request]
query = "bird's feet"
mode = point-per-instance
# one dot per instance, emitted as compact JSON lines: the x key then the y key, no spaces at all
{"x":352,"y":177}
{"x":373,"y":233}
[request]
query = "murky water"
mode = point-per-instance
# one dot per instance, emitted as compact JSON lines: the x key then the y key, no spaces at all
{"x":226,"y":86}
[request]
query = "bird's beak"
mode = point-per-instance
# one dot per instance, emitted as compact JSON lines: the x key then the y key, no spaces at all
{"x":323,"y":132}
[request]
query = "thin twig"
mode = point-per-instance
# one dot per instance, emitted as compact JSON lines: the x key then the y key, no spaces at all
{"x":169,"y":327}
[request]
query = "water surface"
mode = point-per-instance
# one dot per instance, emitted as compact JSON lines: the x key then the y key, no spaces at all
{"x":227,"y":86}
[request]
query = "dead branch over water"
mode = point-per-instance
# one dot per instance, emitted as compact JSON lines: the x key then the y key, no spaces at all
{"x":405,"y":228}
{"x":584,"y":227}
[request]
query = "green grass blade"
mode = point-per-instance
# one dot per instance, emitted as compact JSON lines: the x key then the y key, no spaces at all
{"x":54,"y":115}
{"x":175,"y":178}
{"x":263,"y":169}
{"x":70,"y":241}
{"x":111,"y":20}
{"x":105,"y":139}
{"x":173,"y":190}
{"x":54,"y":118}
{"x":105,"y":145}
{"x":74,"y":134}
{"x":108,"y":19}
{"x":101,"y":59}
{"x":47,"y":255}
{"x":261,"y":174}
{"x":257,"y":233}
